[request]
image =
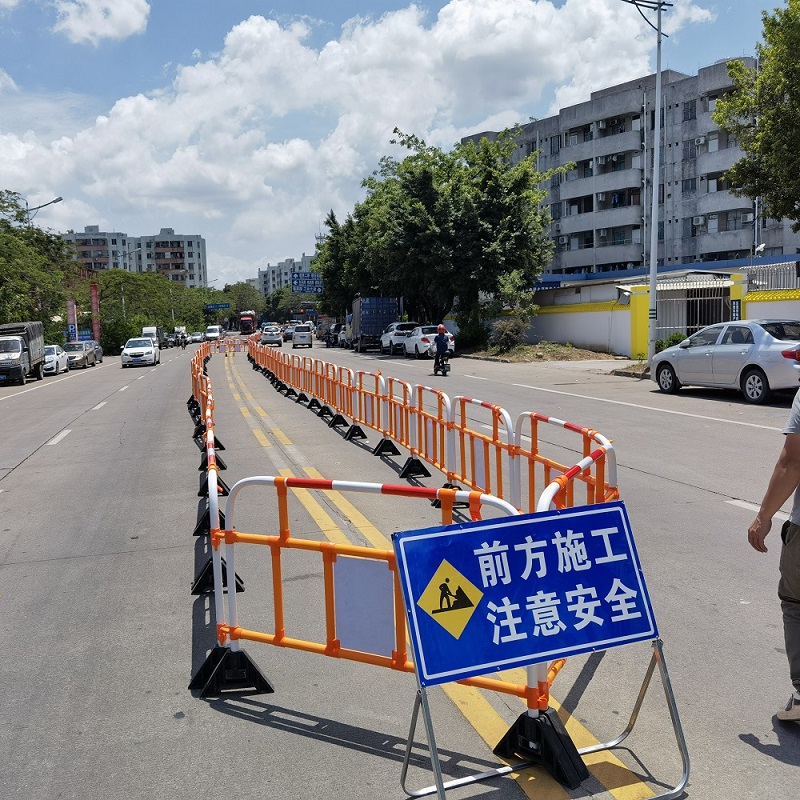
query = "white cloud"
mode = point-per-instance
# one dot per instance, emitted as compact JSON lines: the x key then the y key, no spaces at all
{"x":253,"y":146}
{"x":7,"y":5}
{"x":91,"y":21}
{"x":6,"y":81}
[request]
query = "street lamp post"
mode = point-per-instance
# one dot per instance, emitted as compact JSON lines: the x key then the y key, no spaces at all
{"x":657,"y":6}
{"x":35,"y":209}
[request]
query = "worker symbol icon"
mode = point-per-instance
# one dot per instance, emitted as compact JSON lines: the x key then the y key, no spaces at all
{"x":448,"y":601}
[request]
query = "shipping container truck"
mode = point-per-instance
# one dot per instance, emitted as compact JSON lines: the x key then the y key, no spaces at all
{"x":371,"y":316}
{"x":247,"y":322}
{"x":21,"y":351}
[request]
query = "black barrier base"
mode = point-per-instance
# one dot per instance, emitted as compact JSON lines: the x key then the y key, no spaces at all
{"x":544,"y":740}
{"x":355,"y":432}
{"x":201,"y":445}
{"x":385,"y":447}
{"x":301,"y":398}
{"x":324,"y":412}
{"x":314,"y":404}
{"x":199,"y":430}
{"x":203,"y":527}
{"x":414,"y":468}
{"x":204,"y":462}
{"x":223,"y":490}
{"x":226,"y":670}
{"x":204,"y":582}
{"x":337,"y":421}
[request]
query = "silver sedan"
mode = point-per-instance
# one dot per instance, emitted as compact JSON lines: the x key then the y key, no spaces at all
{"x":754,"y":356}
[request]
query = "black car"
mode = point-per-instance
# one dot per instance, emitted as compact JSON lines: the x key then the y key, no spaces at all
{"x":170,"y":340}
{"x":98,"y":351}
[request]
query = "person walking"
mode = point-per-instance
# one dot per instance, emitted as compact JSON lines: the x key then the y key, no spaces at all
{"x":785,"y":480}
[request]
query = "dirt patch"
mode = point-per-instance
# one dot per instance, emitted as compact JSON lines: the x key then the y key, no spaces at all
{"x":543,"y":351}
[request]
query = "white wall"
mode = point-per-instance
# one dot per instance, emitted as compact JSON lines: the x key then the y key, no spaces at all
{"x":608,"y":331}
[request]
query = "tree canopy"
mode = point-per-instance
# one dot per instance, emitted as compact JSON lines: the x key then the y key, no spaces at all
{"x":442,"y":229}
{"x":763,"y":114}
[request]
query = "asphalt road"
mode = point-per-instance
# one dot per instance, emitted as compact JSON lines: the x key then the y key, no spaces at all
{"x":98,"y":494}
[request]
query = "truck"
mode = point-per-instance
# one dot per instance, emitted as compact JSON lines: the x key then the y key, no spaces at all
{"x":180,"y":330}
{"x":21,"y":351}
{"x":156,"y":333}
{"x":323,"y":326}
{"x":247,"y":322}
{"x":371,"y":315}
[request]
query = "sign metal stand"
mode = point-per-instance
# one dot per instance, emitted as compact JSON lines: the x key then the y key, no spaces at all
{"x":466,"y":589}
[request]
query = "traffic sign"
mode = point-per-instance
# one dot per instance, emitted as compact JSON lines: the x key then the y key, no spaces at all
{"x":515,"y":591}
{"x":306,"y":283}
{"x":215,"y":306}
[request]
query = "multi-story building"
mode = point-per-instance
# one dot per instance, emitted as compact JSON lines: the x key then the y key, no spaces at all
{"x":274,"y":277}
{"x":601,"y":208}
{"x":179,"y":257}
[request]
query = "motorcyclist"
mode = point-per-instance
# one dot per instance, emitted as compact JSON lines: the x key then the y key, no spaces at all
{"x":183,"y":341}
{"x":442,"y":343}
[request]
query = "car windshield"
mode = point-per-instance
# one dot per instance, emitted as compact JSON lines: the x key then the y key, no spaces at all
{"x":429,"y":329}
{"x":10,"y":346}
{"x":405,"y":326}
{"x":49,"y":349}
{"x":302,"y":329}
{"x":785,"y":330}
{"x":139,"y":343}
{"x":73,"y":347}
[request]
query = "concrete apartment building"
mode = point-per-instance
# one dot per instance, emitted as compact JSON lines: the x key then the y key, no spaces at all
{"x":179,"y":257}
{"x":274,"y":277}
{"x":601,"y":209}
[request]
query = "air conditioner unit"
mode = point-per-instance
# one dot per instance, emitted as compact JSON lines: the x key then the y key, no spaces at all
{"x":557,"y":226}
{"x":749,"y":217}
{"x":601,"y":196}
{"x":701,"y":220}
{"x":601,"y":159}
{"x":563,"y":239}
{"x":700,"y":140}
{"x":601,"y":124}
{"x":602,"y":232}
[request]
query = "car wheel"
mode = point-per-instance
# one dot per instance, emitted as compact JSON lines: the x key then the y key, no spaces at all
{"x":58,"y":369}
{"x":667,"y":379}
{"x":416,"y":352}
{"x":755,"y":386}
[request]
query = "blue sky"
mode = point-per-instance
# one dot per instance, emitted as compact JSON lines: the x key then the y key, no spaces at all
{"x":247,"y":121}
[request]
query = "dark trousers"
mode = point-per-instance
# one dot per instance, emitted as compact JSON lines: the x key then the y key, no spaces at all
{"x":789,"y":593}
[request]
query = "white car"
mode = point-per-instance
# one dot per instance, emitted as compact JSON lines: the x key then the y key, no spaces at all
{"x":140,"y":351}
{"x":271,"y":334}
{"x":302,"y":335}
{"x":394,"y":337}
{"x":419,"y":340}
{"x":55,"y":359}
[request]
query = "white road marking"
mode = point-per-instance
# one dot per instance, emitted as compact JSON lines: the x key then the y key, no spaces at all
{"x":99,"y":406}
{"x":649,"y":408}
{"x":477,"y":377}
{"x":123,"y":388}
{"x":56,"y":439}
{"x":780,"y":515}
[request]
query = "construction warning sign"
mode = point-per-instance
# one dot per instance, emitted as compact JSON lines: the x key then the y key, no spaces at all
{"x":483,"y":596}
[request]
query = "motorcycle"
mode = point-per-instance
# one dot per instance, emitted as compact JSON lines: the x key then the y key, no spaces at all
{"x":441,"y":361}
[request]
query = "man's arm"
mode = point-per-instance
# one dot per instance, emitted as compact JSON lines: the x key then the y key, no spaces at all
{"x":784,"y":480}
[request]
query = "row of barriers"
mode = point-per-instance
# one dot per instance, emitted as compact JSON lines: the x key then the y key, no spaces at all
{"x":473,"y":442}
{"x":228,"y":667}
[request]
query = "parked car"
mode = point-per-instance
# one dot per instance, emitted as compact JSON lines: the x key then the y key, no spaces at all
{"x":80,"y":354}
{"x":421,"y":338}
{"x":754,"y":356}
{"x":98,"y":351}
{"x":140,"y":351}
{"x":393,"y":338}
{"x":170,"y":340}
{"x":271,"y":334}
{"x":302,"y":335}
{"x":55,"y":359}
{"x":197,"y":336}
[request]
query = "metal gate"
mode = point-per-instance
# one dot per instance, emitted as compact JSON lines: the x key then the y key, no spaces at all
{"x":688,"y":304}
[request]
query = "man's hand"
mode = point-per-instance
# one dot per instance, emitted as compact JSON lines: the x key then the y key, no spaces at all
{"x":757,"y":533}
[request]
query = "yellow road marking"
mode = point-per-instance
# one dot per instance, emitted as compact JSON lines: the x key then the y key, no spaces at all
{"x":281,"y":436}
{"x":260,"y":411}
{"x":245,"y":412}
{"x":321,"y":517}
{"x":262,"y":437}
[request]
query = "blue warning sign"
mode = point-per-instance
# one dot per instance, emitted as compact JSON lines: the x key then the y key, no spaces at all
{"x":509,"y":592}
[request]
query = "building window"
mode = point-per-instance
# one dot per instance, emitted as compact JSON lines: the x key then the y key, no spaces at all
{"x":661,"y":230}
{"x":555,"y":144}
{"x":618,"y":163}
{"x":690,"y":110}
{"x":555,"y":210}
{"x":689,"y":150}
{"x":689,"y":185}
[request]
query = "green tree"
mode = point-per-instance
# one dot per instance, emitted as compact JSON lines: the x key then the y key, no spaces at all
{"x":763,"y":114}
{"x":242,"y":297}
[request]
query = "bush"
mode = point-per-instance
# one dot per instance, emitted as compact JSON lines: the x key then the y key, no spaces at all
{"x":672,"y":339}
{"x":471,"y":331}
{"x":508,"y":333}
